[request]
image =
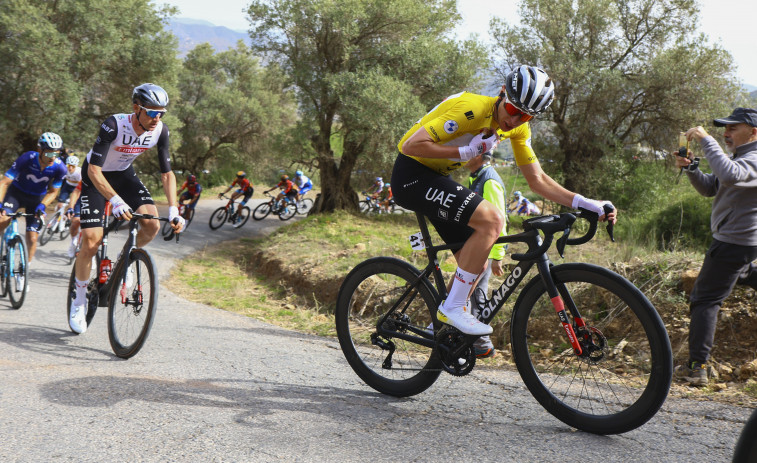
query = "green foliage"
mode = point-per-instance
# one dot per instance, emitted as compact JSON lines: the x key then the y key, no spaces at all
{"x":232,"y":110}
{"x":618,"y":67}
{"x":66,"y":65}
{"x":365,"y":69}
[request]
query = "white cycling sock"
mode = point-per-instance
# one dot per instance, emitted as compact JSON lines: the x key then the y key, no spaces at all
{"x":461,"y":286}
{"x":81,"y":291}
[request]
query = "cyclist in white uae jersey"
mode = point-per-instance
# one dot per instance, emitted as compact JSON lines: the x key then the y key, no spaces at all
{"x":107,"y":174}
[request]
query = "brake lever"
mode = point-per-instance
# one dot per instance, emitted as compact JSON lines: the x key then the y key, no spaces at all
{"x":560,"y":245}
{"x":610,"y":226}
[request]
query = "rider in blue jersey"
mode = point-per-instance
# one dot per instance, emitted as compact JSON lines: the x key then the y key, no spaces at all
{"x":32,"y":183}
{"x":303,"y":183}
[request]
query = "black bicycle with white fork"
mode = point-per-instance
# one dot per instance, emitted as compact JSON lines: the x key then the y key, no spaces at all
{"x":128,"y":288}
{"x":588,"y":344}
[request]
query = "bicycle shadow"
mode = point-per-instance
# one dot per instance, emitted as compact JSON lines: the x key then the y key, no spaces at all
{"x":50,"y":341}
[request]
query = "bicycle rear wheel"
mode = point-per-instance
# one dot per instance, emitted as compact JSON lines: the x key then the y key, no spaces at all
{"x":218,"y":218}
{"x":92,"y":292}
{"x":287,"y":211}
{"x":304,"y":206}
{"x":624,"y":375}
{"x":243,"y":215}
{"x":132,"y":305}
{"x":385,"y":361}
{"x":262,"y":211}
{"x":17,"y":282}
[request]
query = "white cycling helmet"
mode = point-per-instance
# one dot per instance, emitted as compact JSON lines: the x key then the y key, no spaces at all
{"x":72,"y":161}
{"x":50,"y":141}
{"x":518,"y":193}
{"x":529,"y":89}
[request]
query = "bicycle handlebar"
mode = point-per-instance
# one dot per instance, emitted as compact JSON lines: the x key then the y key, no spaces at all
{"x":551,"y":224}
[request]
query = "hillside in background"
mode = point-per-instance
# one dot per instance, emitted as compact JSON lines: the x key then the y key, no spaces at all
{"x":192,"y":32}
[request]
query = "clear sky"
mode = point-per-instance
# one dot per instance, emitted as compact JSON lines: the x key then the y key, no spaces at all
{"x":731,"y":23}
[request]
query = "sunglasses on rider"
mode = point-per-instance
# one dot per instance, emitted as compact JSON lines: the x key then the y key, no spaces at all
{"x":153,"y":113}
{"x":513,"y":111}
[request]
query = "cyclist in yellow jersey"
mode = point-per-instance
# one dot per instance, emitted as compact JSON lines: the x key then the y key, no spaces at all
{"x":460,"y":128}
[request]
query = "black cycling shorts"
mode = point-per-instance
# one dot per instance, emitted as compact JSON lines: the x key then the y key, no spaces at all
{"x":127,"y":186}
{"x":447,"y":204}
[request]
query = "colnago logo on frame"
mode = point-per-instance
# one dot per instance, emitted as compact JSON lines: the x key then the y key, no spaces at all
{"x":503,"y":292}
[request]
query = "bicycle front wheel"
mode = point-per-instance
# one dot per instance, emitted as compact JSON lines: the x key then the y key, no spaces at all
{"x":262,"y":211}
{"x":623,"y":376}
{"x":4,"y":271}
{"x":218,"y":218}
{"x":17,"y":283}
{"x":243,"y":215}
{"x":132,"y":305}
{"x":47,"y":232}
{"x":385,"y":356}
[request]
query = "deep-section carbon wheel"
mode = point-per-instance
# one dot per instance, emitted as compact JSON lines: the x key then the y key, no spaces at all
{"x":623,"y":375}
{"x":133,"y":301}
{"x":18,"y":281}
{"x":243,"y":215}
{"x":218,"y":217}
{"x":262,"y":211}
{"x":371,"y":340}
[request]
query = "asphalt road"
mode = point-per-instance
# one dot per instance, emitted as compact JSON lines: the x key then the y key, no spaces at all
{"x":214,"y":386}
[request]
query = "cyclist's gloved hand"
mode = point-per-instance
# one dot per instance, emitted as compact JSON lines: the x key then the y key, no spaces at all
{"x":590,"y":204}
{"x":479,"y":145}
{"x":119,"y":206}
{"x":70,"y":211}
{"x":173,"y":213}
{"x":40,"y":210}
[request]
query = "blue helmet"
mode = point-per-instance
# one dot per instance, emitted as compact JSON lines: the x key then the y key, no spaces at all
{"x":298,"y":173}
{"x":518,"y":193}
{"x":50,"y":141}
{"x":378,"y":179}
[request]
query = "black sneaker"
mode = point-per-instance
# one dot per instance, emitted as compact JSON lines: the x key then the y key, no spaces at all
{"x":695,"y":373}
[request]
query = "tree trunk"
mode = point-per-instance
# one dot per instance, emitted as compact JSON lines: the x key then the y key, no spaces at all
{"x":336,"y":191}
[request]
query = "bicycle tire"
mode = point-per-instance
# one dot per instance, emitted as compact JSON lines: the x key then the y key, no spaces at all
{"x":243,"y":215}
{"x":366,"y":294}
{"x":166,"y":229}
{"x":218,"y":218}
{"x":287,"y":211}
{"x":18,"y":270}
{"x":65,"y":231}
{"x":625,"y":383}
{"x":746,"y":447}
{"x":262,"y":211}
{"x":4,"y":269}
{"x":189,"y":220}
{"x":46,"y":233}
{"x":130,"y":311}
{"x":304,"y":206}
{"x":365,"y":205}
{"x":92,"y":292}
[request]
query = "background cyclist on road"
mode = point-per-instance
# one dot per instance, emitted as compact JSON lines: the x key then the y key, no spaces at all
{"x":288,"y":189}
{"x":192,"y":194}
{"x":385,"y":197}
{"x":461,"y":127}
{"x":32,"y":183}
{"x":304,"y":184}
{"x":376,"y":188}
{"x":71,"y":180}
{"x":244,"y":188}
{"x":522,"y":206}
{"x":108,"y":175}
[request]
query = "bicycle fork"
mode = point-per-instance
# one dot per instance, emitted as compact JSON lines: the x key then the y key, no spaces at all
{"x":559,"y":305}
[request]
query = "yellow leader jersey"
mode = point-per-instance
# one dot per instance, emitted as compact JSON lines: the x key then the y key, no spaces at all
{"x":459,"y":118}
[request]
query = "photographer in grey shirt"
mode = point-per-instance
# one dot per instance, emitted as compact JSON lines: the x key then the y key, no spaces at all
{"x":733,"y":183}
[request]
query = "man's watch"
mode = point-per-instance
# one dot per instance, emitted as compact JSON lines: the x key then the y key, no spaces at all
{"x":693,"y":166}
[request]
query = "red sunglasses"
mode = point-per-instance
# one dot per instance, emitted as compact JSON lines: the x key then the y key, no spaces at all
{"x":513,"y":111}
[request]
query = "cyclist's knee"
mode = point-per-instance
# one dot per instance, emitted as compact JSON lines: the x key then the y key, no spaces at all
{"x":488,"y":219}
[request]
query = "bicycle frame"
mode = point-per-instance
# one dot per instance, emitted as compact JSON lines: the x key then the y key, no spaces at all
{"x":499,"y":296}
{"x":11,"y":231}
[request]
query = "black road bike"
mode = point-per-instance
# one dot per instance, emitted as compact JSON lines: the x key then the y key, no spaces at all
{"x":587,"y":343}
{"x":232,"y":212}
{"x":128,"y":288}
